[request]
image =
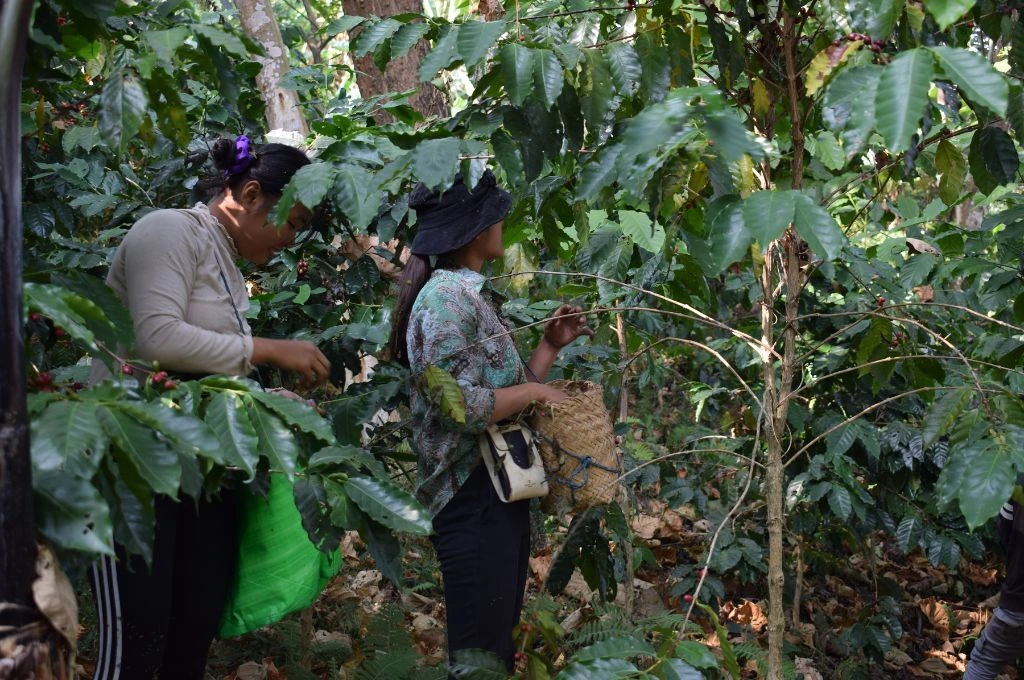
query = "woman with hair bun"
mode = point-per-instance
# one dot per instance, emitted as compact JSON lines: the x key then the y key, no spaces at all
{"x":175,"y":271}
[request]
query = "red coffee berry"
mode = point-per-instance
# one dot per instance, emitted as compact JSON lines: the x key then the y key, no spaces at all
{"x":77,"y":386}
{"x":44,"y":378}
{"x":520,"y":657}
{"x":44,"y":147}
{"x":159,"y":376}
{"x":35,"y":317}
{"x":126,"y":369}
{"x":525,"y":627}
{"x":170,"y":384}
{"x":59,"y":332}
{"x":881,"y":301}
{"x":61,"y":21}
{"x":688,"y":598}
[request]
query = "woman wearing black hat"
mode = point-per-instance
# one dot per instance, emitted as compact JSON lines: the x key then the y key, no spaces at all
{"x":446,"y":316}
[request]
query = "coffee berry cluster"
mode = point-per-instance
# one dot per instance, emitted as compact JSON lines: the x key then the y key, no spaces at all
{"x":873,"y":45}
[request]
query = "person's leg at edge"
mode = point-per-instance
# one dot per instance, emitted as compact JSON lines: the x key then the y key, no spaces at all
{"x":204,"y":565}
{"x":1000,"y":643}
{"x":480,"y":546}
{"x":133,"y":603}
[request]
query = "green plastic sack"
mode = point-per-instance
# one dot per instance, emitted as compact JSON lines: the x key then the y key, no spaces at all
{"x":279,"y":570}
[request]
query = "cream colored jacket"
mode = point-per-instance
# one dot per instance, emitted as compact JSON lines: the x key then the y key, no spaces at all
{"x":175,"y":271}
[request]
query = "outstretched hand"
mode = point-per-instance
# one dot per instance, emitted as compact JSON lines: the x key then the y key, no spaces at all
{"x":565,"y":325}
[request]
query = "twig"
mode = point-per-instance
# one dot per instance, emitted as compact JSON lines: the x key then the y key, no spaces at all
{"x":725,"y":520}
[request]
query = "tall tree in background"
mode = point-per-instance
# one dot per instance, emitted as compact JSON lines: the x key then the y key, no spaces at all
{"x":283,"y":111}
{"x":402,"y":74}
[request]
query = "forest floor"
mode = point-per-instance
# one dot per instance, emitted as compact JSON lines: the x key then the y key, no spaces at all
{"x":941,"y":612}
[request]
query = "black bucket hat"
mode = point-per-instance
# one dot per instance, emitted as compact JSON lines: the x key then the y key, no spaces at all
{"x":451,"y":219}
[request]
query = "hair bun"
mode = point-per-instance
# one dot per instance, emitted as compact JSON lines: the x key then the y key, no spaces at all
{"x":223,"y":153}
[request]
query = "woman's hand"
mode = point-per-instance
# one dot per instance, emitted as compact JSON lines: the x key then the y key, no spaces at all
{"x":565,"y":325}
{"x":300,"y":356}
{"x":546,"y":394}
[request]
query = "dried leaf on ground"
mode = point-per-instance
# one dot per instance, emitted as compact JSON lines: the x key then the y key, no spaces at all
{"x":746,"y":613}
{"x":936,"y":613}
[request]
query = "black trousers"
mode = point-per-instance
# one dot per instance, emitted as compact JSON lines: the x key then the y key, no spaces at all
{"x":483,"y":546}
{"x":159,"y":621}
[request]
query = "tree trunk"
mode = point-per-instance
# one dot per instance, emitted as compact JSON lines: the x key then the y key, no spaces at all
{"x":402,"y":73}
{"x":17,"y":532}
{"x":260,"y":24}
{"x":29,"y":646}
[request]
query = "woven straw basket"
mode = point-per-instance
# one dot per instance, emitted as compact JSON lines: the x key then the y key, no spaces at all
{"x":577,"y":444}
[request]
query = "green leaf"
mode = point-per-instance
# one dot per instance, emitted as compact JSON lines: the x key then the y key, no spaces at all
{"x":373,"y":36}
{"x":313,"y":183}
{"x":388,"y":504}
{"x":356,"y":193}
{"x":987,"y":482}
{"x":696,"y":654}
{"x":975,"y":77}
{"x":229,"y":42}
{"x":444,"y":53}
{"x":517,"y":63}
{"x":185,"y":432}
{"x":344,"y":455}
{"x":406,"y":37}
{"x":677,"y":669}
{"x":840,"y":502}
{"x":993,"y":158}
{"x":598,"y":98}
{"x":813,"y":223}
{"x":443,"y":390}
{"x":943,"y":413}
{"x":625,"y":68}
{"x":616,"y":648}
{"x":342,"y":24}
{"x":477,"y":664}
{"x":877,"y":18}
{"x":902,"y":96}
{"x":436,"y":161}
{"x":950,"y":161}
{"x":297,"y":414}
{"x":71,"y":512}
{"x":123,"y":106}
{"x":155,"y":463}
{"x":638,"y":227}
{"x":849,"y":105}
{"x":476,"y":37}
{"x":55,"y":302}
{"x":946,"y":12}
{"x":599,"y":173}
{"x":767,"y":214}
{"x":276,"y":441}
{"x":728,"y":235}
{"x":907,"y":534}
{"x":68,"y":437}
{"x":166,"y":43}
{"x":549,"y":78}
{"x":598,"y":669}
{"x":226,"y":415}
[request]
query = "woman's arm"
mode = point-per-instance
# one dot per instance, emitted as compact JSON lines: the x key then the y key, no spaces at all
{"x":566,"y":324}
{"x":508,"y":401}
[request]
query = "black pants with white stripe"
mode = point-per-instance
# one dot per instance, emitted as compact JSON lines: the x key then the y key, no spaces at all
{"x":159,"y":621}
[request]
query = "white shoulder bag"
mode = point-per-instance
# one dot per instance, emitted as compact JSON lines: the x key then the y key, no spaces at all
{"x":513,"y":462}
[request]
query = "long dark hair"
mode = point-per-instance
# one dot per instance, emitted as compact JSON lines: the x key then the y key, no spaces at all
{"x":415,"y":275}
{"x":273,"y":167}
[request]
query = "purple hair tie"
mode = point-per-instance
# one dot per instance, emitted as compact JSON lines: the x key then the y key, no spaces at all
{"x":244,"y":157}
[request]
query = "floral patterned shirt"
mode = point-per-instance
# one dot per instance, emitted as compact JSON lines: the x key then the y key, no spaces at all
{"x":449,"y":324}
